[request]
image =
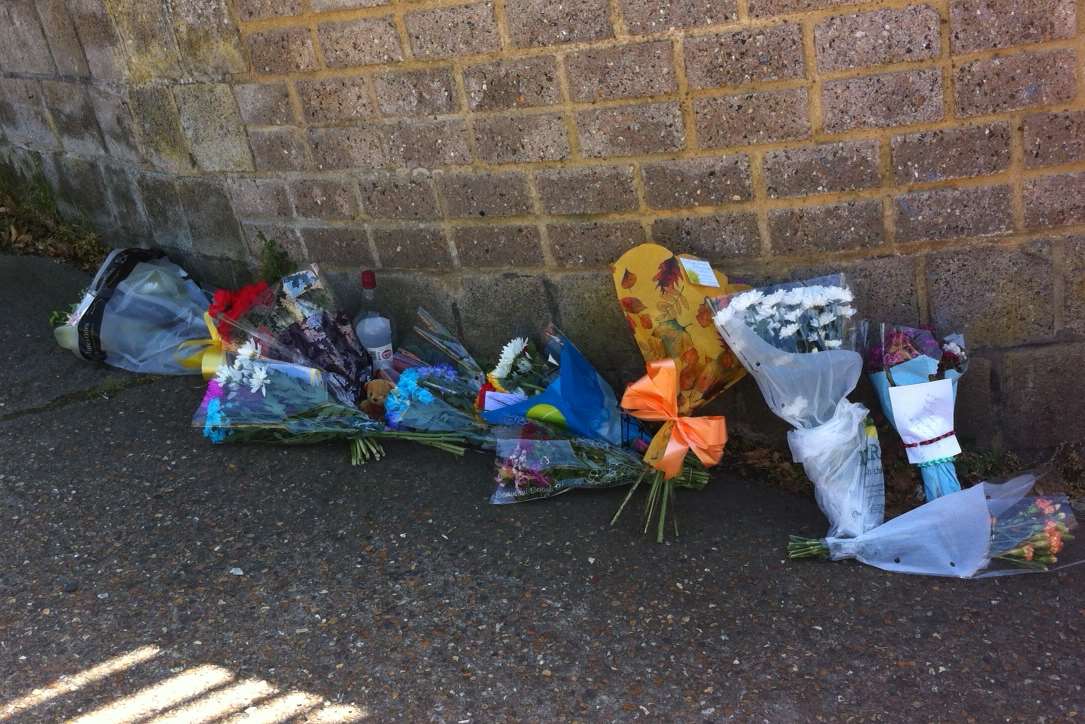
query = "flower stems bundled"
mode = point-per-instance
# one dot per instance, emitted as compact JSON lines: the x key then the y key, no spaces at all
{"x":1033,"y":533}
{"x":661,"y":494}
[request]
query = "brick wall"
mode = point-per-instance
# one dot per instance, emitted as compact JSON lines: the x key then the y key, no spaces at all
{"x":492,"y":157}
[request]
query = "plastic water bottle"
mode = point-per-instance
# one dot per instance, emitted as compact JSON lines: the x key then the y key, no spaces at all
{"x":374,"y":330}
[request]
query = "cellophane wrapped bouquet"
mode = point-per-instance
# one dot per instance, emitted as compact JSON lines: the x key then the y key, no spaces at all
{"x":294,"y":372}
{"x":793,"y":339}
{"x":536,"y":461}
{"x":915,"y":376}
{"x":296,"y":320}
{"x":986,"y":530}
{"x":570,"y":435}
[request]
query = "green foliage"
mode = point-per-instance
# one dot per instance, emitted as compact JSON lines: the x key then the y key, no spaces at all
{"x":275,"y":262}
{"x":975,"y":466}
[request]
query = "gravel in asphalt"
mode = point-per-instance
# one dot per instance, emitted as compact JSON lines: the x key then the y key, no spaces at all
{"x":144,"y":570}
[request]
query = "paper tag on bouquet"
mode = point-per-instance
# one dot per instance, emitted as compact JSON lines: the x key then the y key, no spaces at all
{"x":700,"y":272}
{"x":924,"y":417}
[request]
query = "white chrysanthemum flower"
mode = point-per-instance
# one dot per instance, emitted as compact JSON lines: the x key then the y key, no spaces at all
{"x":248,"y":350}
{"x":725,"y":315}
{"x":846,"y":311}
{"x":227,"y":375}
{"x":509,"y":353}
{"x":763,"y":312}
{"x":834,"y":343}
{"x":773,"y":299}
{"x":952,"y":348}
{"x":789,"y":330}
{"x":792,"y":315}
{"x":795,"y":408}
{"x":840,"y":294}
{"x":744,"y":301}
{"x":793,"y":297}
{"x":815,"y":297}
{"x":258,"y":379}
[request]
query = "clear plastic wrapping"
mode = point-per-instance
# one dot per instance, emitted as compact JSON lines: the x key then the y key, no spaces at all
{"x":141,"y":313}
{"x":296,"y":321}
{"x":535,"y":463}
{"x":986,"y":530}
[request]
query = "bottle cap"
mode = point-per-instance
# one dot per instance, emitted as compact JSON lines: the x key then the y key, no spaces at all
{"x":369,"y":279}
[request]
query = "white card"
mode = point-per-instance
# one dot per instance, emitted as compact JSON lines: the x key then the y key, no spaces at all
{"x":700,"y":272}
{"x":496,"y":400}
{"x":924,"y":412}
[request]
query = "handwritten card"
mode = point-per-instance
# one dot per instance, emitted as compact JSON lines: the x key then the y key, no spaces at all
{"x":924,"y":412}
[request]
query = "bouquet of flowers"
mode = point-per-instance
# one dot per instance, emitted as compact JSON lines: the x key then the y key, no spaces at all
{"x":964,"y":534}
{"x":521,"y":369}
{"x":141,"y":313}
{"x":255,"y":399}
{"x":578,"y":399}
{"x":663,"y":297}
{"x":535,"y":462}
{"x":791,"y":338}
{"x":435,"y":344}
{"x":436,"y":399}
{"x":915,"y":377}
{"x":296,"y":321}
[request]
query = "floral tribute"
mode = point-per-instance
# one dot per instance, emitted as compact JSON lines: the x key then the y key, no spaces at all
{"x":986,"y":530}
{"x":915,"y":377}
{"x":688,"y":366}
{"x":792,"y":339}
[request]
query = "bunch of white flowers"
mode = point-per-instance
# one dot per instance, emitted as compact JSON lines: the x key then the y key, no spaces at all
{"x":806,"y":318}
{"x":245,"y":371}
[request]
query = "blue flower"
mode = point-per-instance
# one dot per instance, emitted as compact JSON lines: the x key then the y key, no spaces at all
{"x":215,"y":423}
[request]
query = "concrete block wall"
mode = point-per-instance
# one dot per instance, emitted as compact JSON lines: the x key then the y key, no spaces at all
{"x":491,"y":158}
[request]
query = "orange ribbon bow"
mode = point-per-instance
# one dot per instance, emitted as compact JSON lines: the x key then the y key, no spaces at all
{"x":655,"y":397}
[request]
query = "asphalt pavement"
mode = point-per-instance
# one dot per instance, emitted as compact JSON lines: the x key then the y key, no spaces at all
{"x":147,"y":573}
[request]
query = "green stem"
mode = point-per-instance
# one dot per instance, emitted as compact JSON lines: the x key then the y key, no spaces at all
{"x":629,"y":496}
{"x":663,"y":511}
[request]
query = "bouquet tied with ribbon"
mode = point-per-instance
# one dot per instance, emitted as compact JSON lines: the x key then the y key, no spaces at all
{"x":664,"y":298}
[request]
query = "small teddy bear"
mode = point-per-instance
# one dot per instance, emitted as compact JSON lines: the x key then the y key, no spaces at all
{"x":376,"y":392}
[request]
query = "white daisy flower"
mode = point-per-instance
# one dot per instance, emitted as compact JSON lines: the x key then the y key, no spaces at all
{"x":509,"y":353}
{"x":833,"y":343}
{"x":248,"y":350}
{"x":744,"y":301}
{"x":846,"y":311}
{"x":227,"y":375}
{"x":258,"y":380}
{"x":840,"y":294}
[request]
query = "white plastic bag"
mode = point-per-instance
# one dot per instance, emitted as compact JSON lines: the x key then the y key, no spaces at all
{"x":141,"y":313}
{"x":840,"y":455}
